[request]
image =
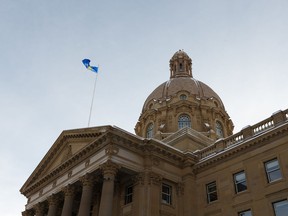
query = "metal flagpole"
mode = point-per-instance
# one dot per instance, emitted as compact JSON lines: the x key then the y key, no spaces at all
{"x":91,"y":107}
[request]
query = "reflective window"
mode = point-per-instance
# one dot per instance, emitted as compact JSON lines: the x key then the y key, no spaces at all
{"x":273,"y":170}
{"x":280,"y":208}
{"x":240,"y":181}
{"x":245,"y":213}
{"x":184,"y":121}
{"x":219,"y":130}
{"x":149,"y":131}
{"x":211,"y":192}
{"x":166,"y":194}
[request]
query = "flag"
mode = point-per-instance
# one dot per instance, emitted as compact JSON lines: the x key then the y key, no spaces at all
{"x":86,"y":62}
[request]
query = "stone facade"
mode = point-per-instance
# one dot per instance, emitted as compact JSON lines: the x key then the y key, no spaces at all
{"x":176,"y":171}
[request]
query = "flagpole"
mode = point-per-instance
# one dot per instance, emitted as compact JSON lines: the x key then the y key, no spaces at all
{"x":91,"y":107}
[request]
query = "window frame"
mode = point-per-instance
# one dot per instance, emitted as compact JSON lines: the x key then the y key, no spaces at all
{"x":219,"y":129}
{"x":182,"y":123}
{"x":211,"y":192}
{"x":240,"y":182}
{"x":279,"y":201}
{"x":149,"y":130}
{"x":245,"y":211}
{"x":167,"y":195}
{"x":273,"y":170}
{"x":128,"y":196}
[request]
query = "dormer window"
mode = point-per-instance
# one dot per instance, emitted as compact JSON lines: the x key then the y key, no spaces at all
{"x":183,"y":97}
{"x":149,"y":131}
{"x":184,"y":121}
{"x":219,"y":130}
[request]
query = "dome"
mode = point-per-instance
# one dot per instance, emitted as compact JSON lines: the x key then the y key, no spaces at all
{"x":183,"y":101}
{"x":170,"y":88}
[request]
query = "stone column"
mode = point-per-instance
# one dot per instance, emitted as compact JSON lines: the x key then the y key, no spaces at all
{"x":69,"y":192}
{"x":109,"y":170}
{"x":39,"y":209}
{"x":53,"y":205}
{"x":86,"y":197}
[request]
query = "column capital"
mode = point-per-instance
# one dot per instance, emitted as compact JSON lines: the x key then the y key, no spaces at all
{"x":40,"y":208}
{"x":139,"y":178}
{"x":69,"y":190}
{"x":154,"y":178}
{"x":109,"y":169}
{"x":53,"y":200}
{"x":87,"y":180}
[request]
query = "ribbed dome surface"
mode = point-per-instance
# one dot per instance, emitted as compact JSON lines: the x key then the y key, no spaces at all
{"x":171,"y":87}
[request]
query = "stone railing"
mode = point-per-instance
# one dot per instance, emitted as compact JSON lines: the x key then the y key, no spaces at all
{"x":276,"y":119}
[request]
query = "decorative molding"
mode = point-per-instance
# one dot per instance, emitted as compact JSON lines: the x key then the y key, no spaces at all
{"x":111,"y":150}
{"x":154,"y":178}
{"x":139,"y":178}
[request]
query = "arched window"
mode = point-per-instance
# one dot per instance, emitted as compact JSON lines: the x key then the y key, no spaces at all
{"x":184,"y":121}
{"x":183,"y":97}
{"x":219,"y":130}
{"x":149,"y":131}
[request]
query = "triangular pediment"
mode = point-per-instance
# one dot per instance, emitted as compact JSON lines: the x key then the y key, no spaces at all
{"x":187,"y":139}
{"x":69,"y":143}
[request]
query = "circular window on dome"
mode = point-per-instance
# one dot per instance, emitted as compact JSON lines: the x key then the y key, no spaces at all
{"x":219,"y":130}
{"x":184,"y":121}
{"x":149,"y":131}
{"x":183,"y":97}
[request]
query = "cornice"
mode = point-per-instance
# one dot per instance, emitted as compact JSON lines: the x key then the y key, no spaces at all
{"x":67,"y":165}
{"x":241,"y":148}
{"x":117,"y":139}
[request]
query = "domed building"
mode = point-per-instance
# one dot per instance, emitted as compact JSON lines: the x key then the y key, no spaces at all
{"x":183,"y":161}
{"x":183,"y":101}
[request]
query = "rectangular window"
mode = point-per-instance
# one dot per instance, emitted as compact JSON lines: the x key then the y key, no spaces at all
{"x":273,"y":170}
{"x":166,"y":194}
{"x":280,"y":208}
{"x":211,"y":192}
{"x":245,"y":213}
{"x":128,"y":194}
{"x":240,"y":182}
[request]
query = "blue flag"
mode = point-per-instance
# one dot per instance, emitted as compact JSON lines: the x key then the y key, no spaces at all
{"x":86,"y":63}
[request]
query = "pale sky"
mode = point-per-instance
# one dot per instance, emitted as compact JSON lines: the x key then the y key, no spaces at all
{"x":238,"y":47}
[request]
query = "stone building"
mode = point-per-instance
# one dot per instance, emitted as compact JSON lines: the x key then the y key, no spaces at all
{"x":183,"y":161}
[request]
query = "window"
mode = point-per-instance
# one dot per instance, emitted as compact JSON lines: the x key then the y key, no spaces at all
{"x":183,"y":97}
{"x":219,"y":130}
{"x":240,"y":182}
{"x":273,"y":170}
{"x":184,"y":121}
{"x":149,"y":132}
{"x":166,"y":194}
{"x":211,"y":192}
{"x":245,"y":213}
{"x":128,"y":194}
{"x":280,"y":208}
